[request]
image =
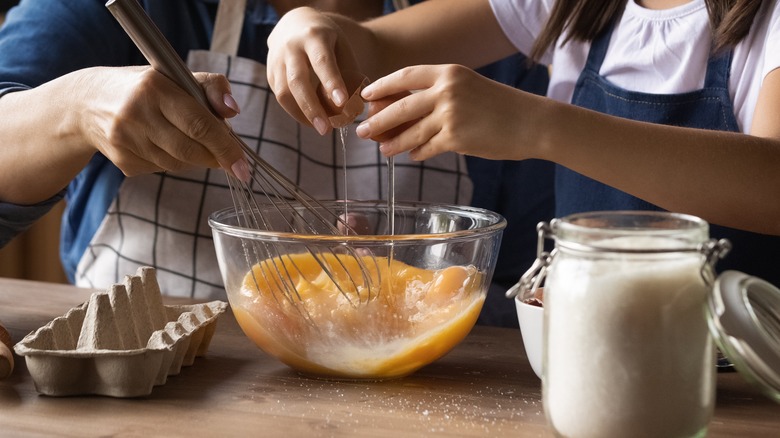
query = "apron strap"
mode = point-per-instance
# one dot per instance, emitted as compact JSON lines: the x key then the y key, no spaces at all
{"x":718,"y":70}
{"x":228,"y":26}
{"x":598,"y":48}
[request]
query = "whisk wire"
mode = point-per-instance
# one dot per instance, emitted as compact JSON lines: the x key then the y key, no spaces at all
{"x":271,"y":183}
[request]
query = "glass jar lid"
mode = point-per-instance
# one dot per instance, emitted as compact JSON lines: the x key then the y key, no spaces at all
{"x":745,"y":321}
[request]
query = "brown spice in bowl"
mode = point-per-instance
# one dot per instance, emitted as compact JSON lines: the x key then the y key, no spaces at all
{"x":537,"y":299}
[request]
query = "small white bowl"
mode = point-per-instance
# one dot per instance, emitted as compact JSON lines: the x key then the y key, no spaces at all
{"x":530,"y":318}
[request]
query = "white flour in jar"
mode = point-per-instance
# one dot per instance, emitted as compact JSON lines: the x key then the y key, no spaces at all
{"x":628,"y":348}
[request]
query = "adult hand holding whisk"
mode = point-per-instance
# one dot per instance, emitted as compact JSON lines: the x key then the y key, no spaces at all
{"x":303,"y":213}
{"x":135,"y":116}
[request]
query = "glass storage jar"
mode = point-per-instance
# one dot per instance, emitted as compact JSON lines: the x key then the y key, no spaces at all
{"x":627,"y":349}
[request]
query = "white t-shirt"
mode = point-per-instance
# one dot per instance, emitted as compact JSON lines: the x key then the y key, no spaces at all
{"x":653,"y":51}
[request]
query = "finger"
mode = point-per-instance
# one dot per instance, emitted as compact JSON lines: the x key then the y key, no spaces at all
{"x":324,"y":63}
{"x":419,"y":139}
{"x":156,"y":146}
{"x":422,"y":138}
{"x":286,"y":99}
{"x":202,"y":128}
{"x":142,"y":168}
{"x":131,"y":163}
{"x":354,"y":106}
{"x":395,"y":118}
{"x":425,"y":151}
{"x":301,"y":85}
{"x":218,"y":93}
{"x":354,"y":223}
{"x":172,"y":150}
{"x":404,"y":80}
{"x":338,"y":79}
{"x":376,"y":106}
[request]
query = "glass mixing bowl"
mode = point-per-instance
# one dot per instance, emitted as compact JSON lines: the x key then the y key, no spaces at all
{"x":391,"y":304}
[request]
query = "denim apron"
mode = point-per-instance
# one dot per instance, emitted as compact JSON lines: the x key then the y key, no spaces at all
{"x":707,"y":108}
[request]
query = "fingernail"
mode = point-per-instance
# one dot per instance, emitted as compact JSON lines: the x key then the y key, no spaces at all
{"x":241,"y":170}
{"x":366,"y":93}
{"x":362,"y":130}
{"x":320,"y":125}
{"x":384,"y":149}
{"x":339,"y":97}
{"x":230,"y":102}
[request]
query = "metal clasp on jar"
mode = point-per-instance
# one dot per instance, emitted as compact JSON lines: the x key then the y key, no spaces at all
{"x":532,"y":278}
{"x":712,"y":250}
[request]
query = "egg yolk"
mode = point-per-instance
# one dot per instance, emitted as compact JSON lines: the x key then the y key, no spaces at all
{"x":337,"y":326}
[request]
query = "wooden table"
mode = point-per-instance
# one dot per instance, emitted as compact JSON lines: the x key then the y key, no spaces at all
{"x":484,"y":387}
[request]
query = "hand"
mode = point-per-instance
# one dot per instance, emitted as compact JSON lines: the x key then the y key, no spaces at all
{"x":354,"y":223}
{"x":143,"y":122}
{"x":428,"y":110}
{"x":306,"y":57}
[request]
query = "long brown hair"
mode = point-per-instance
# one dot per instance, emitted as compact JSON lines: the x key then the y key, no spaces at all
{"x":730,"y":21}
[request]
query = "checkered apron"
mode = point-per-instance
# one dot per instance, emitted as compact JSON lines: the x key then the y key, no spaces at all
{"x":161,"y":220}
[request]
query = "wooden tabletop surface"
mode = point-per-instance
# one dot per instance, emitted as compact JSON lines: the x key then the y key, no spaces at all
{"x":484,"y":387}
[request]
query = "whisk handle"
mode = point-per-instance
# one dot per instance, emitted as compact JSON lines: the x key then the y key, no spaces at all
{"x":155,"y":47}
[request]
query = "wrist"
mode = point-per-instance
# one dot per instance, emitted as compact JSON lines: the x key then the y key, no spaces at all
{"x":80,"y":125}
{"x":540,"y":121}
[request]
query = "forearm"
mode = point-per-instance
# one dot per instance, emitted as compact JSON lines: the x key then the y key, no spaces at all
{"x":41,"y":148}
{"x":433,"y":32}
{"x":726,"y":178}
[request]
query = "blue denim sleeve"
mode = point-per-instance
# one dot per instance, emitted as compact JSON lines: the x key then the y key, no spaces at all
{"x":44,"y":39}
{"x":16,"y":218}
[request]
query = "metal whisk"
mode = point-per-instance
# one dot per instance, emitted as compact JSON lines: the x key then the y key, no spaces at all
{"x":265,"y":180}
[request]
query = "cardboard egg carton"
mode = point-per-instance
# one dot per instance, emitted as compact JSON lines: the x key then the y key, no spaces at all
{"x":120,"y":343}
